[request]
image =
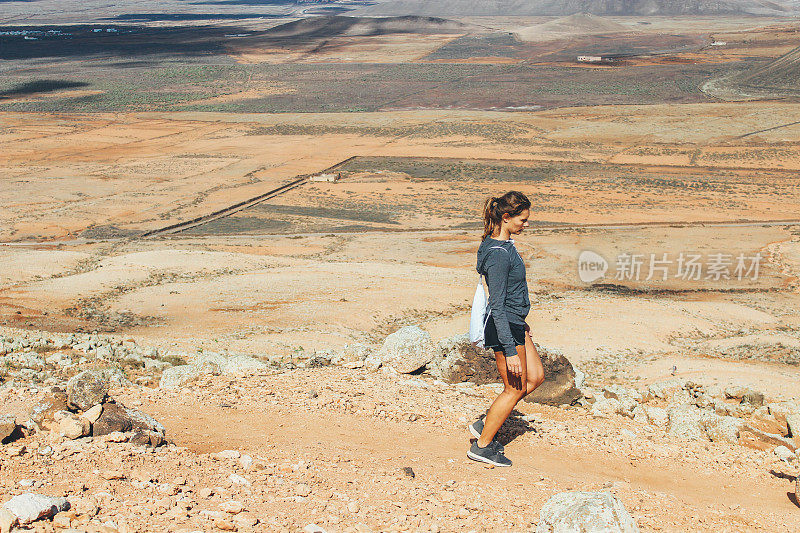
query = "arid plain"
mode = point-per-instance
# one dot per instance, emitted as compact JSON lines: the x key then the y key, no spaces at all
{"x":421,"y":120}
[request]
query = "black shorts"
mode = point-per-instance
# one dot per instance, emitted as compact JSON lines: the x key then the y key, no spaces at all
{"x":491,"y":341}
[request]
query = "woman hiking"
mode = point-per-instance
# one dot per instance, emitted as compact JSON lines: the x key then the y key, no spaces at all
{"x":505,"y":330}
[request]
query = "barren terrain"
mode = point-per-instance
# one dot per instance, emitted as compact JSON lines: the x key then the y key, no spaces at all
{"x":144,"y":196}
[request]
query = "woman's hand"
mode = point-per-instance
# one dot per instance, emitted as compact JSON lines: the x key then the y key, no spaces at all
{"x":514,"y":366}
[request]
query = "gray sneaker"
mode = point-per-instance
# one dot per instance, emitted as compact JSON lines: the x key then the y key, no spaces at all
{"x":491,"y":454}
{"x":476,"y":428}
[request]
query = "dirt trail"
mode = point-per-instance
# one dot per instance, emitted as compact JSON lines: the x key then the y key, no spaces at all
{"x":211,"y":428}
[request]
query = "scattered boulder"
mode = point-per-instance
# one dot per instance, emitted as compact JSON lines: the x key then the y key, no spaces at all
{"x":175,"y":376}
{"x":42,"y":413}
{"x":118,"y":418}
{"x":350,"y":353}
{"x":587,"y":512}
{"x":605,"y":407}
{"x":793,"y":425}
{"x":628,"y":398}
{"x":7,"y":520}
{"x":74,"y":427}
{"x":744,"y":395}
{"x":784,"y":453}
{"x":723,"y":428}
{"x":208,"y":363}
{"x":8,"y":428}
{"x":656,"y":415}
{"x":86,"y":389}
{"x":687,"y":421}
{"x":664,"y":389}
{"x":93,"y":413}
{"x":458,"y":360}
{"x":558,"y":387}
{"x":763,"y":439}
{"x":407,"y":349}
{"x":30,"y":507}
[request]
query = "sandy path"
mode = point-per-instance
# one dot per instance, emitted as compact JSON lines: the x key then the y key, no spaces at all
{"x":687,"y":489}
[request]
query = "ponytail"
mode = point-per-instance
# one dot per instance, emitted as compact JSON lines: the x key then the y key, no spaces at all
{"x":512,"y":202}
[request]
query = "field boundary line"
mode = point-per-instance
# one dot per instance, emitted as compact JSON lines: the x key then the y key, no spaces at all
{"x":244,"y":204}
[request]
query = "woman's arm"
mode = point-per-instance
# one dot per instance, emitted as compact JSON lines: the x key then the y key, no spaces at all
{"x":497,"y":266}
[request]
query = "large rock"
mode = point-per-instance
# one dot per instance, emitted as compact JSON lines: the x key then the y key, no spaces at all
{"x":86,"y":389}
{"x":31,"y":507}
{"x":745,"y":395}
{"x":74,"y":427}
{"x":42,"y":413}
{"x":458,"y":360}
{"x":586,"y":512}
{"x":793,"y":426}
{"x":755,"y":437}
{"x":656,"y":415}
{"x":688,"y":422}
{"x":725,"y":428}
{"x":407,"y":349}
{"x":605,"y":407}
{"x":176,"y":376}
{"x":117,"y":417}
{"x":8,"y":428}
{"x":559,"y":380}
{"x":209,"y":363}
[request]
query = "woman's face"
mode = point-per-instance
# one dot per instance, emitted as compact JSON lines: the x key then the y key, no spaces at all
{"x":517,"y":223}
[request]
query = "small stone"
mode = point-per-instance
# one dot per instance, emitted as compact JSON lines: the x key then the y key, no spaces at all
{"x":116,"y":436}
{"x":93,"y":413}
{"x":232,"y":506}
{"x":168,"y":488}
{"x":302,"y":489}
{"x":205,"y":493}
{"x":313,"y":528}
{"x":73,"y":427}
{"x":30,"y":507}
{"x":62,"y":520}
{"x":408,"y":471}
{"x":353,"y":507}
{"x":784,"y":453}
{"x":16,"y":451}
{"x":245,"y":520}
{"x":246,"y":462}
{"x":7,"y":520}
{"x":228,"y":455}
{"x":224,"y":525}
{"x":111,"y":475}
{"x":236,"y":479}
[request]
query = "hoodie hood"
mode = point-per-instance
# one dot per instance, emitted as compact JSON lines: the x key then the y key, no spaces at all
{"x":486,"y":246}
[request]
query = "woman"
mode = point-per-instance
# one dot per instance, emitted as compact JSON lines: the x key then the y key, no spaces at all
{"x":505,"y":331}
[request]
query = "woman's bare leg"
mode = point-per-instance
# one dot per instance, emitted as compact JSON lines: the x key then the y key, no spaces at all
{"x":506,"y":400}
{"x":534,"y":364}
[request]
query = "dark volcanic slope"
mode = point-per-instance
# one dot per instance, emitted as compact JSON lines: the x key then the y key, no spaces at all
{"x":330,"y":26}
{"x":569,"y":7}
{"x":781,"y":74}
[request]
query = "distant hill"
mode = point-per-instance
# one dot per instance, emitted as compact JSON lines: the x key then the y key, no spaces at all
{"x":778,"y":78}
{"x":583,"y":24}
{"x":337,"y":25}
{"x":559,"y":8}
{"x":781,"y":74}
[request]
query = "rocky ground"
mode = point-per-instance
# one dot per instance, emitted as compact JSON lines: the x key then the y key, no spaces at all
{"x":343,"y":442}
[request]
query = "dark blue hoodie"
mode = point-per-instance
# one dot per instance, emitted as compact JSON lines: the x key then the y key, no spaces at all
{"x":508,"y":290}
